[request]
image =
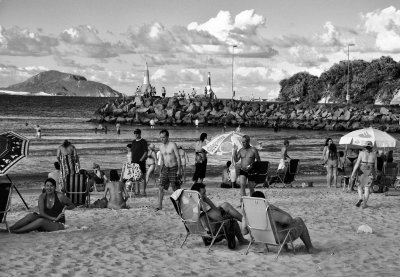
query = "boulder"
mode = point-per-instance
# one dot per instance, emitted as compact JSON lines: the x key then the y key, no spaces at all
{"x":384,"y":111}
{"x":120,"y":119}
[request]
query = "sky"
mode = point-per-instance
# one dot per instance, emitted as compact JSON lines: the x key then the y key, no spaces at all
{"x":182,"y":40}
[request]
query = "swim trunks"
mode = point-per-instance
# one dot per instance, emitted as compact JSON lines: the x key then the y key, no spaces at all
{"x":250,"y":177}
{"x":169,"y":176}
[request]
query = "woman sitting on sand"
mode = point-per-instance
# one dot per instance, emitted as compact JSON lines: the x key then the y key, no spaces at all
{"x":51,"y":215}
{"x":118,"y":194}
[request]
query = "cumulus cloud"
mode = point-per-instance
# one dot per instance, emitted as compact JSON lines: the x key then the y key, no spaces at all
{"x":84,"y":40}
{"x":385,"y":24}
{"x":23,"y":42}
{"x":306,"y":56}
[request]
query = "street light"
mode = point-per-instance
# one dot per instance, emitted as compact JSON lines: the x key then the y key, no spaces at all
{"x":233,"y":57}
{"x":348,"y":71}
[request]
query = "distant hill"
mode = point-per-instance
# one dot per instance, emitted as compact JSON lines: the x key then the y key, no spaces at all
{"x":53,"y":82}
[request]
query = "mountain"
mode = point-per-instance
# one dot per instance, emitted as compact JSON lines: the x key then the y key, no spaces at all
{"x":53,"y":82}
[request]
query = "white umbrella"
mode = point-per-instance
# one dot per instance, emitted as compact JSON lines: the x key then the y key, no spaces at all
{"x":379,"y":138}
{"x":224,"y":143}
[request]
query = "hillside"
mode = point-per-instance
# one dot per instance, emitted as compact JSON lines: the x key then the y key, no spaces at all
{"x":64,"y":84}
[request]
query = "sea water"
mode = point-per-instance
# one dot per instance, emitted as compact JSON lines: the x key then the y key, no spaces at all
{"x":63,"y":118}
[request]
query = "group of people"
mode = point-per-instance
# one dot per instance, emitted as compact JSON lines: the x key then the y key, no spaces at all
{"x":365,"y":169}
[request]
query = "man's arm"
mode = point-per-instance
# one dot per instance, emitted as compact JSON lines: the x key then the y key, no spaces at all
{"x":178,"y":157}
{"x":235,"y":154}
{"x":144,"y":156}
{"x":257,"y":155}
{"x":280,"y":216}
{"x":356,"y":166}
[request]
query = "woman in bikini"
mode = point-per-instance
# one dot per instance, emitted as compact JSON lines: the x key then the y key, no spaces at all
{"x":51,"y":215}
{"x":366,"y":166}
{"x":151,"y":161}
{"x":118,"y":194}
{"x":331,"y":162}
{"x":200,"y":160}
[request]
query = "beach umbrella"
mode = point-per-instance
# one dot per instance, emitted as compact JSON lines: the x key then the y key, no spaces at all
{"x":13,"y":148}
{"x":380,"y":139}
{"x":224,"y":143}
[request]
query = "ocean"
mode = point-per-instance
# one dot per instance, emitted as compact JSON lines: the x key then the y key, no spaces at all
{"x":63,"y":118}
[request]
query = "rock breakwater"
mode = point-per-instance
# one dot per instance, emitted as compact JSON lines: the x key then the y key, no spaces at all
{"x":218,"y":112}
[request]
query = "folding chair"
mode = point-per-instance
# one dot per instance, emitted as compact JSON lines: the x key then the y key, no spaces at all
{"x":6,"y":190}
{"x":287,"y":176}
{"x":261,"y":173}
{"x":77,"y":189}
{"x":388,"y":178}
{"x":261,"y":227}
{"x":188,"y":207}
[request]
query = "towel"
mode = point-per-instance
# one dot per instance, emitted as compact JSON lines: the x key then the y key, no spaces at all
{"x":176,"y":194}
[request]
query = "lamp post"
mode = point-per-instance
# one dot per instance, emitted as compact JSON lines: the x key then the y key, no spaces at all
{"x":348,"y":71}
{"x":233,"y":57}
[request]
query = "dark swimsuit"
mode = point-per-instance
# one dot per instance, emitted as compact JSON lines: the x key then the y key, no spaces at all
{"x":56,"y":209}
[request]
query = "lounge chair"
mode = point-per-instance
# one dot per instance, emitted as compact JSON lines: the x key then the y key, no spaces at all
{"x":261,"y":173}
{"x":261,"y":228}
{"x":77,"y":189}
{"x":387,"y":179}
{"x":287,"y":176}
{"x":188,"y":207}
{"x":6,"y":190}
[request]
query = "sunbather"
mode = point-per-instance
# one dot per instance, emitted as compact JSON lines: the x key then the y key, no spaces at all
{"x":224,"y":211}
{"x":51,"y":215}
{"x":283,"y":220}
{"x":118,"y":194}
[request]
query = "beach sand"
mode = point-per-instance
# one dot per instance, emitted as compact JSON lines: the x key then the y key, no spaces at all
{"x":141,"y":242}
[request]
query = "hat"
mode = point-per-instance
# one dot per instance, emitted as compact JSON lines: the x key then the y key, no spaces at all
{"x":96,"y":166}
{"x":137,"y":131}
{"x":368,"y":143}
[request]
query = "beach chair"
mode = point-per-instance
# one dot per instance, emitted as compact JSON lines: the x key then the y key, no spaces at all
{"x":262,"y":229}
{"x":261,"y":173}
{"x":6,"y":190}
{"x":387,"y":179}
{"x":188,"y":207}
{"x":287,"y":176}
{"x":77,"y":189}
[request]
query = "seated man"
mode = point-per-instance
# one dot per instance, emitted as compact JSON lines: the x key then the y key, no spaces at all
{"x":284,"y":220}
{"x":222,"y":212}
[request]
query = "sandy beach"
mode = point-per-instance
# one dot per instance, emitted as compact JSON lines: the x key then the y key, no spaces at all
{"x":141,"y":242}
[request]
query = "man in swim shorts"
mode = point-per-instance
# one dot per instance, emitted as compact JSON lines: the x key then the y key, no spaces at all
{"x":366,"y":166}
{"x":248,"y":155}
{"x":170,"y":166}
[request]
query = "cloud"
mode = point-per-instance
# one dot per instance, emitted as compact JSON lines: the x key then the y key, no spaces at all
{"x":84,"y":40}
{"x":22,"y":42}
{"x":385,"y":24}
{"x":306,"y":56}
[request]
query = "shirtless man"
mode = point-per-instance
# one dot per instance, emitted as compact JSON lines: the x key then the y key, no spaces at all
{"x":170,"y":166}
{"x":367,"y":166}
{"x":248,"y":155}
{"x":284,"y":220}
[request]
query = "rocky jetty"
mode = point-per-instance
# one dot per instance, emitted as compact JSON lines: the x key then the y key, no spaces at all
{"x":212,"y":112}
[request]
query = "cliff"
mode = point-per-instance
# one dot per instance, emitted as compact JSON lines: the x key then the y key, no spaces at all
{"x":174,"y":111}
{"x":58,"y":83}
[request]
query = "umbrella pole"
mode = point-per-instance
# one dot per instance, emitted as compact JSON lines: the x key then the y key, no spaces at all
{"x":23,"y":200}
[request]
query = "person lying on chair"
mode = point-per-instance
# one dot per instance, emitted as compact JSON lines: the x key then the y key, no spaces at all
{"x":222,"y":212}
{"x":284,"y":220}
{"x":51,"y":215}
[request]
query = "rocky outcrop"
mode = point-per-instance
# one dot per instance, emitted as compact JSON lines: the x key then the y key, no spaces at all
{"x":174,"y":111}
{"x":58,"y":83}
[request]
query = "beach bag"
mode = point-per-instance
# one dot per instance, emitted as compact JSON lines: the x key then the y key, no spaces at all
{"x":132,"y":172}
{"x":100,"y":203}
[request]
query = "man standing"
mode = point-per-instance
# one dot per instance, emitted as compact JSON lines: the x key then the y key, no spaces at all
{"x":248,"y":155}
{"x":170,"y":166}
{"x":284,"y":155}
{"x":139,"y":154}
{"x":118,"y":128}
{"x":366,"y":166}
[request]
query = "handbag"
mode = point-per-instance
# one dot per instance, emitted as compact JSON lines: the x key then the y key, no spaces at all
{"x":132,"y":172}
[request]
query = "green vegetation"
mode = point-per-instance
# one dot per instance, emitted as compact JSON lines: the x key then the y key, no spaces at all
{"x":378,"y":80}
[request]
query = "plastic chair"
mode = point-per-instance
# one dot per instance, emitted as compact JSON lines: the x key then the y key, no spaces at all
{"x":188,"y":207}
{"x":261,"y":227}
